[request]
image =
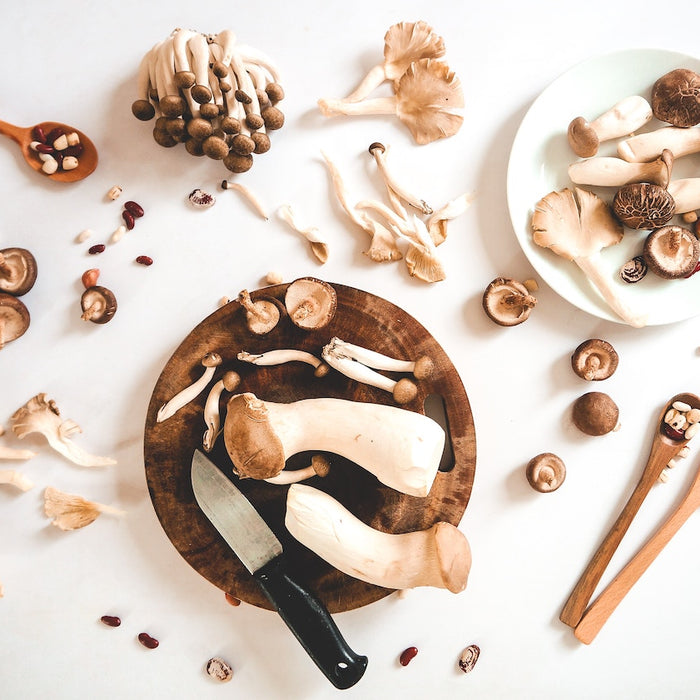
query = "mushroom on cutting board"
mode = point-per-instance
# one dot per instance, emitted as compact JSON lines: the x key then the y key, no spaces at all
{"x":401,"y":448}
{"x":594,"y":360}
{"x":311,"y":303}
{"x":262,"y":315}
{"x":675,"y":97}
{"x":18,"y":271}
{"x":14,"y":319}
{"x":507,"y":302}
{"x":671,"y":252}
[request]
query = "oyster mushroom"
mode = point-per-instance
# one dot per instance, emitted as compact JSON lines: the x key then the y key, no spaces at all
{"x":595,"y":413}
{"x":311,"y":303}
{"x":71,"y":512}
{"x":317,"y":242}
{"x":594,"y":360}
{"x":671,"y":252}
{"x":615,"y":172}
{"x":429,"y":101}
{"x":643,"y":205}
{"x":14,"y":319}
{"x":545,"y":472}
{"x":16,"y":479}
{"x":262,"y":315}
{"x":17,"y":271}
{"x":675,"y":97}
{"x":507,"y":302}
{"x":98,"y":304}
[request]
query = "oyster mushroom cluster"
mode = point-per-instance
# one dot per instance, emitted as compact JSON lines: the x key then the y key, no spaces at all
{"x":212,"y":93}
{"x":428,"y":96}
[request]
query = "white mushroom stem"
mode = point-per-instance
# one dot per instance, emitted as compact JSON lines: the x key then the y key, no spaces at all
{"x":248,"y":54}
{"x":272,"y":358}
{"x":319,"y":467}
{"x":615,"y":172}
{"x":376,"y":360}
{"x":685,"y":193}
{"x":439,"y":556}
{"x":437,"y":223}
{"x":143,"y":80}
{"x":212,"y":416}
{"x":318,"y":244}
{"x":245,"y":83}
{"x":181,"y":59}
{"x":374,"y":106}
{"x":628,"y":115}
{"x":379,"y":153}
{"x":12,"y":453}
{"x":16,"y":479}
{"x":165,"y":66}
{"x":199,"y":51}
{"x":191,"y":392}
{"x":152,"y":64}
{"x":644,"y":147}
{"x":403,"y":390}
{"x":248,"y":194}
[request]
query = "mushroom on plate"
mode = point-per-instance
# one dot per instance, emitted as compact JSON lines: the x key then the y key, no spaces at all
{"x":14,"y":319}
{"x":675,"y":97}
{"x":672,"y":252}
{"x":643,"y":205}
{"x":594,"y":360}
{"x":644,"y":147}
{"x":17,"y":271}
{"x":607,"y":171}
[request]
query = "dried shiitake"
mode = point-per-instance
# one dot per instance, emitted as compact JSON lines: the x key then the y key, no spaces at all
{"x":642,"y":205}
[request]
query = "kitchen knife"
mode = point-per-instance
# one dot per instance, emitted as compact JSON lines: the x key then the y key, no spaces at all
{"x":260,"y":551}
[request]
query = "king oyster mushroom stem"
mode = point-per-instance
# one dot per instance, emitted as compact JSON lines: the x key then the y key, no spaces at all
{"x":685,"y":193}
{"x":606,"y":171}
{"x":319,"y":467}
{"x":680,"y":141}
{"x":272,"y":358}
{"x":210,"y":362}
{"x":623,"y":118}
{"x":16,"y":479}
{"x":401,"y":448}
{"x":439,"y":556}
{"x":403,"y":390}
{"x":40,"y":415}
{"x":212,"y":417}
{"x":422,"y":368}
{"x":317,"y":243}
{"x":379,"y":152}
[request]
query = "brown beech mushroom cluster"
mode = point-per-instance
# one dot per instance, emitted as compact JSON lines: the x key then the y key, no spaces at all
{"x":212,"y":93}
{"x":428,"y":96}
{"x":18,"y":271}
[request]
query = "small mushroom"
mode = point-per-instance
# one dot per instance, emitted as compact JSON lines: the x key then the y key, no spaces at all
{"x":675,"y":98}
{"x":17,"y":271}
{"x":634,"y":270}
{"x":507,"y":302}
{"x":14,"y":319}
{"x":142,"y":108}
{"x":228,"y":382}
{"x":545,"y":472}
{"x":317,"y":242}
{"x":262,"y":315}
{"x":248,"y":194}
{"x":282,"y":356}
{"x":98,"y":304}
{"x":643,"y":205}
{"x":320,"y":466}
{"x":310,"y":303}
{"x":594,"y":360}
{"x":671,"y":252}
{"x":595,"y":413}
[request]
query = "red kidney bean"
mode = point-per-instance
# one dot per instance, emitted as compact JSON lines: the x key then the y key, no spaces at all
{"x":144,"y":260}
{"x":231,"y":600}
{"x":38,"y":134}
{"x":44,"y":148}
{"x":75,"y":151}
{"x":148,"y":641}
{"x":128,"y":219}
{"x":110,"y":620}
{"x":96,"y":249}
{"x":54,"y":134}
{"x":407,"y":655}
{"x":134,"y":208}
{"x":672,"y":432}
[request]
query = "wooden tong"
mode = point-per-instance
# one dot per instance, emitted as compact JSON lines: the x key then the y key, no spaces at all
{"x":664,"y":448}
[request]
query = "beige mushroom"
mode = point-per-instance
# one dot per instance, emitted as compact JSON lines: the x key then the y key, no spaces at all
{"x":507,"y":302}
{"x":14,"y":319}
{"x":262,"y":315}
{"x":272,"y":358}
{"x":319,"y":466}
{"x":311,"y":303}
{"x":605,"y":171}
{"x":685,"y":193}
{"x":248,"y":194}
{"x":317,"y":242}
{"x":16,"y":479}
{"x":645,"y":147}
{"x":18,"y":271}
{"x":594,"y":360}
{"x":228,"y":382}
{"x":71,"y":512}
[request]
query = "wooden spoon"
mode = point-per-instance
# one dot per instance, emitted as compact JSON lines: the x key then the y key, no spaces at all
{"x":663,"y":449}
{"x":23,"y":136}
{"x":596,"y":616}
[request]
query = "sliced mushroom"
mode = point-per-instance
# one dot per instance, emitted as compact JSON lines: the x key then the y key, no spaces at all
{"x":545,"y":472}
{"x":14,"y":319}
{"x":594,"y":360}
{"x":98,"y":304}
{"x":262,"y":315}
{"x":507,"y":302}
{"x":634,"y":269}
{"x":671,"y":252}
{"x":595,"y":413}
{"x":310,"y":303}
{"x":643,"y":205}
{"x":17,"y":271}
{"x":675,"y":97}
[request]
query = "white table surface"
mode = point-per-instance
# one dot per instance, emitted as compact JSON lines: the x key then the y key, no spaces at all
{"x":76,"y":62}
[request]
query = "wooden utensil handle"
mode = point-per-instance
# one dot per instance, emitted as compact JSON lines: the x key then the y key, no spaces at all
{"x":14,"y":132}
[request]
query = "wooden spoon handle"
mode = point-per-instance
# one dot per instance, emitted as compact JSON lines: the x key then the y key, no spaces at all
{"x":16,"y":133}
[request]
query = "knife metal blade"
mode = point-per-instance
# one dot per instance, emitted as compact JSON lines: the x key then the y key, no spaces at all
{"x":260,"y":551}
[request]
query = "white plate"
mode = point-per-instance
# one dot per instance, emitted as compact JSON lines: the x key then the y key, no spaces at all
{"x":538,"y":165}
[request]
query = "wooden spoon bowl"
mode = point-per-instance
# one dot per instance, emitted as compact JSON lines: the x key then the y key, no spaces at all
{"x":23,"y":136}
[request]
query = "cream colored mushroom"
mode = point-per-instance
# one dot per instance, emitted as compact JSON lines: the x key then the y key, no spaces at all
{"x":228,"y":382}
{"x":184,"y":77}
{"x":686,"y":194}
{"x":311,"y":303}
{"x":12,"y":453}
{"x":262,"y":315}
{"x":71,"y":512}
{"x":401,"y":448}
{"x":282,"y":356}
{"x":606,"y":171}
{"x":16,"y":479}
{"x":248,"y":194}
{"x":317,"y":242}
{"x":319,"y":466}
{"x":680,"y":141}
{"x":438,"y":220}
{"x":439,"y":556}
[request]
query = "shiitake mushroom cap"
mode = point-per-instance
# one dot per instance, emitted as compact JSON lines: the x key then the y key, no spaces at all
{"x":98,"y":304}
{"x":595,"y":413}
{"x":675,"y":98}
{"x":671,"y":252}
{"x":22,"y":271}
{"x":594,"y":360}
{"x":545,"y":472}
{"x":643,"y":205}
{"x":507,"y":302}
{"x":311,"y":303}
{"x":14,"y":316}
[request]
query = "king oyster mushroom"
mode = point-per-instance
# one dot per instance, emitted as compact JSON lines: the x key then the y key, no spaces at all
{"x":507,"y":302}
{"x":17,"y":271}
{"x":675,"y":97}
{"x":14,"y":319}
{"x":643,"y":205}
{"x":671,"y":252}
{"x":606,"y":171}
{"x":311,"y":303}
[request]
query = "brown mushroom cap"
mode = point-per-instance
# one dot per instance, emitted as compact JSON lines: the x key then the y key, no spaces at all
{"x":643,"y":205}
{"x":262,"y":314}
{"x":545,"y":472}
{"x":675,"y":98}
{"x":17,"y":271}
{"x":594,"y":360}
{"x":14,"y":318}
{"x":98,"y":304}
{"x":595,"y":413}
{"x":507,"y":302}
{"x":143,"y":110}
{"x":251,"y":442}
{"x":671,"y":252}
{"x":583,"y":139}
{"x":310,"y":303}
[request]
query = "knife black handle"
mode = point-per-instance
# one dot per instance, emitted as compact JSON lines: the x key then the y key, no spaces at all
{"x":312,"y":625}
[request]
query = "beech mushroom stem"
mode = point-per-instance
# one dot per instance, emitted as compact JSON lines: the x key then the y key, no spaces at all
{"x":376,"y":105}
{"x":282,"y":356}
{"x":319,"y":467}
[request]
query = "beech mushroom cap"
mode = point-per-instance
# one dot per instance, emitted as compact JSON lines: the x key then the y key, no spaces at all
{"x":143,"y":110}
{"x":98,"y":304}
{"x":595,"y":413}
{"x":594,"y":360}
{"x":250,"y":440}
{"x":17,"y":271}
{"x":643,"y":205}
{"x":582,"y":137}
{"x":507,"y":302}
{"x":675,"y":98}
{"x":14,"y":318}
{"x":211,"y":359}
{"x":671,"y":252}
{"x":310,"y":303}
{"x":545,"y":472}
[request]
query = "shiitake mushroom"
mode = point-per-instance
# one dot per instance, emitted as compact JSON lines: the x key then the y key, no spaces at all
{"x":675,"y":98}
{"x":643,"y":205}
{"x":18,"y":271}
{"x":671,"y":252}
{"x":595,"y":413}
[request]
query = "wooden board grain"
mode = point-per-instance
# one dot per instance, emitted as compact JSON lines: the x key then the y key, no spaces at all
{"x":363,"y":319}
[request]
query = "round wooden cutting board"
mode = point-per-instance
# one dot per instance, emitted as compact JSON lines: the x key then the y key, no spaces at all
{"x":362,"y":319}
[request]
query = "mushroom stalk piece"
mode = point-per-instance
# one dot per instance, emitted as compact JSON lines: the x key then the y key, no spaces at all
{"x":16,"y":479}
{"x":686,"y":194}
{"x":577,"y":229}
{"x":439,"y":556}
{"x":317,"y":243}
{"x":13,"y":453}
{"x":282,"y":356}
{"x":401,"y":448}
{"x":615,"y":172}
{"x":644,"y":147}
{"x":71,"y":512}
{"x":210,"y":362}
